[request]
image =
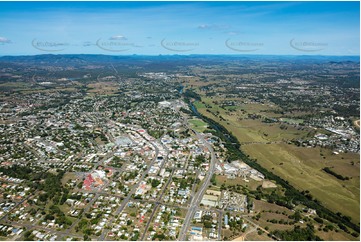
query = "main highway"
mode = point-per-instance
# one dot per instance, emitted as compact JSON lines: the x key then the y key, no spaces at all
{"x":196,"y":200}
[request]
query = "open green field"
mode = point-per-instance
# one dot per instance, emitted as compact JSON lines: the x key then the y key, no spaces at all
{"x":302,"y":167}
{"x":231,"y":108}
{"x":198,"y":125}
{"x":250,"y":130}
{"x":102,"y":88}
{"x":199,"y":105}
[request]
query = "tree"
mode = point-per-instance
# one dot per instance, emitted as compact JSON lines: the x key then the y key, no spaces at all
{"x":318,"y":220}
{"x":155,"y":183}
{"x":207,"y":224}
{"x":297,"y":216}
{"x":213,"y":180}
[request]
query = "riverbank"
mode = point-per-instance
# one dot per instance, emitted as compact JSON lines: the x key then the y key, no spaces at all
{"x":292,"y":195}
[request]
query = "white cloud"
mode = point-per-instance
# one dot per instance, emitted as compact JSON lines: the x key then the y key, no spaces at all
{"x":4,"y":40}
{"x":213,"y":27}
{"x":203,"y":26}
{"x":118,"y":37}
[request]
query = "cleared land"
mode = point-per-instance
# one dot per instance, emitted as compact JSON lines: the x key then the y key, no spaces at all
{"x":357,"y":123}
{"x":254,"y":236}
{"x":251,"y":184}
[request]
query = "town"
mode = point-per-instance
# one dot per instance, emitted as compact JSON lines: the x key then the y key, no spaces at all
{"x":110,"y":152}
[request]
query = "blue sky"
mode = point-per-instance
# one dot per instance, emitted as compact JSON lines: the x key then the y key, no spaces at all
{"x":152,"y":28}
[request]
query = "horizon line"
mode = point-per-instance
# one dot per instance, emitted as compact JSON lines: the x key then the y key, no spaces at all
{"x":156,"y":55}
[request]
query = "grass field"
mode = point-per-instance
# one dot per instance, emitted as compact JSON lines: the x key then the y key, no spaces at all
{"x":69,"y":176}
{"x":271,"y":211}
{"x":103,"y":88}
{"x":335,"y":236}
{"x":28,"y":88}
{"x":302,"y":167}
{"x":260,"y":205}
{"x":254,"y":236}
{"x":292,"y":121}
{"x":250,"y":130}
{"x":231,"y":108}
{"x":199,"y":105}
{"x":198,"y":125}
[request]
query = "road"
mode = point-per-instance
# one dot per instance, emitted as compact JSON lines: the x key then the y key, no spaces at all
{"x":86,"y":210}
{"x":198,"y":196}
{"x":157,"y":205}
{"x":13,"y":208}
{"x":220,"y":217}
{"x":243,"y":236}
{"x":257,"y":226}
{"x":42,"y":228}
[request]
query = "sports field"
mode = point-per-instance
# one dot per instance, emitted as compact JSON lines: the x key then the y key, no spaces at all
{"x":198,"y":125}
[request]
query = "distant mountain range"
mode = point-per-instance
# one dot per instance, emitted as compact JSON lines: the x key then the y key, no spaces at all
{"x":165,"y":63}
{"x":86,"y":58}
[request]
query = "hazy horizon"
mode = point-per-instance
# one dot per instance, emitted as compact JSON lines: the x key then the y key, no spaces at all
{"x":181,"y":55}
